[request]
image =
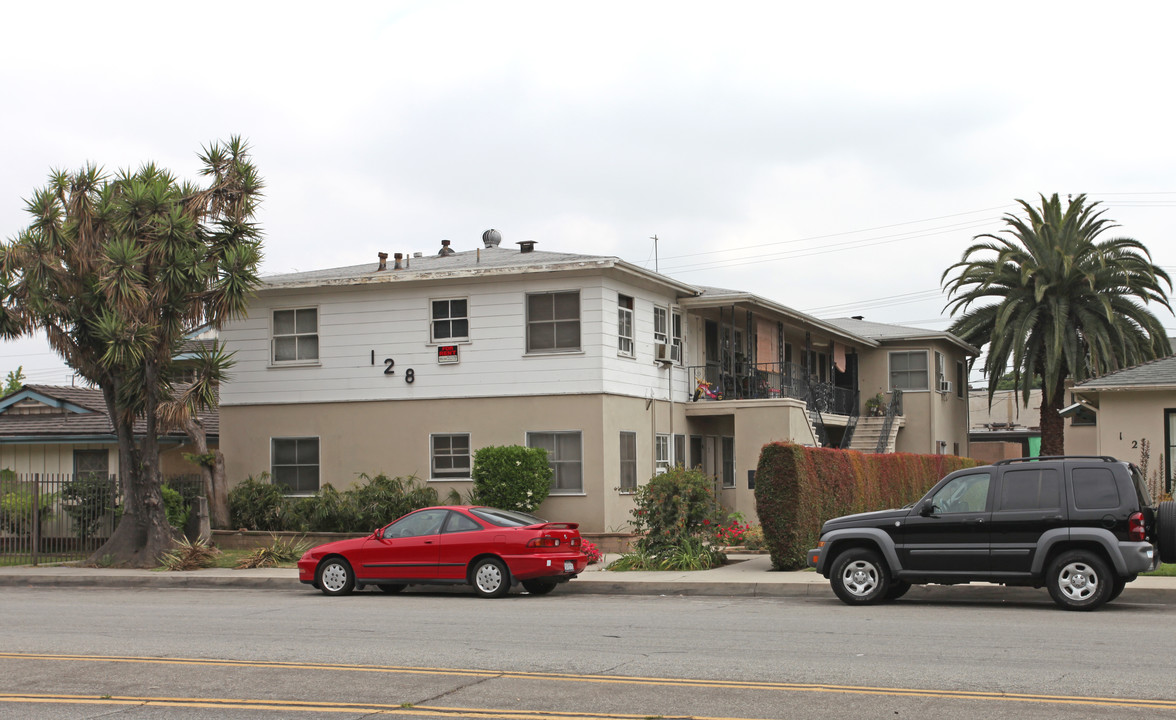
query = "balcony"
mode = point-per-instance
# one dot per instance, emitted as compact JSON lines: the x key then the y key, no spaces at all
{"x":766,"y":381}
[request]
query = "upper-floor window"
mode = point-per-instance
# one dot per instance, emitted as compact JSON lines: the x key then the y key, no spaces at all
{"x":295,"y":335}
{"x":450,"y":456}
{"x":294,"y":463}
{"x":961,"y":378}
{"x":553,"y":322}
{"x":661,"y":325}
{"x":908,"y":370}
{"x":941,"y":381}
{"x":676,"y":349}
{"x":624,"y":325}
{"x":450,"y":320}
{"x":565,"y":454}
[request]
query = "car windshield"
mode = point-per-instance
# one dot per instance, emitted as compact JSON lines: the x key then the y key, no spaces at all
{"x":505,"y":518}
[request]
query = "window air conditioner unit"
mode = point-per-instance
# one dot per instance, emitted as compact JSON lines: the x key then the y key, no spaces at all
{"x":661,"y":351}
{"x":945,"y":386}
{"x":676,"y":353}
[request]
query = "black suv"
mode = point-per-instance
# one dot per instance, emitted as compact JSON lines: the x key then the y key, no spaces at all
{"x":1082,"y":526}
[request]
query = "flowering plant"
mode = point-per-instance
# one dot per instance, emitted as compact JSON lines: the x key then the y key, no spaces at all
{"x":590,"y":551}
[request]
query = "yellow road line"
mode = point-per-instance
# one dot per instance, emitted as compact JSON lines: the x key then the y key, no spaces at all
{"x":1154,"y":704}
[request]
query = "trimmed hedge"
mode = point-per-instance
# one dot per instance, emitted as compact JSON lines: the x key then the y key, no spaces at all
{"x":798,"y":488}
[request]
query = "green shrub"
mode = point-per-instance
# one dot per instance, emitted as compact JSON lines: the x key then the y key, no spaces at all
{"x":175,"y":507}
{"x":278,"y":552}
{"x":798,"y":488}
{"x":676,"y":514}
{"x":328,"y":510}
{"x":16,"y":509}
{"x":383,"y":499}
{"x":260,"y":505}
{"x":511,"y":477}
{"x":89,"y":498}
{"x":189,"y":555}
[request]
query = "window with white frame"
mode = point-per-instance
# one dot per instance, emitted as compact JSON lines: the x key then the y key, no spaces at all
{"x":661,"y":449}
{"x":728,"y":462}
{"x":941,"y":383}
{"x":565,"y":454}
{"x":450,"y":456}
{"x":628,"y":461}
{"x":553,"y":322}
{"x":908,"y":370}
{"x":661,"y":325}
{"x":625,"y":325}
{"x":677,"y":346}
{"x":294,"y":464}
{"x":450,"y":320}
{"x":295,"y":335}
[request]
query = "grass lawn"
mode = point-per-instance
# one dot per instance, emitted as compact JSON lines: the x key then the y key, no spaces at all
{"x":1164,"y":570}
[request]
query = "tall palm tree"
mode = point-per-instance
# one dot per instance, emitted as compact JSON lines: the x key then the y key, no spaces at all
{"x":1066,"y":304}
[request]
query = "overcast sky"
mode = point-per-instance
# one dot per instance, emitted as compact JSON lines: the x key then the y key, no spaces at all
{"x":834,"y":157}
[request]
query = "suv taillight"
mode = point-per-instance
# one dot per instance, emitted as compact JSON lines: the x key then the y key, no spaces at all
{"x":1136,"y":531}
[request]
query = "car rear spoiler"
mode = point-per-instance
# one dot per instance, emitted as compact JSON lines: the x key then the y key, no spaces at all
{"x":557,"y":526}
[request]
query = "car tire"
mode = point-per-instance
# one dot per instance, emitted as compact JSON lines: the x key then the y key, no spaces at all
{"x":860,"y":577}
{"x":1079,"y":580}
{"x":898,"y":588}
{"x":335,"y":577}
{"x":1166,"y":531}
{"x":391,"y":589}
{"x":538,"y":587}
{"x":490,"y":578}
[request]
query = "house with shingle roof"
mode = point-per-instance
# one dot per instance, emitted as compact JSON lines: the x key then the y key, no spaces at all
{"x":408,"y":365}
{"x":1132,"y":405}
{"x":64,"y":430}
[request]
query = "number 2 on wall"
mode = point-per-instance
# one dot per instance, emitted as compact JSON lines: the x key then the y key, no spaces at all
{"x":409,"y":375}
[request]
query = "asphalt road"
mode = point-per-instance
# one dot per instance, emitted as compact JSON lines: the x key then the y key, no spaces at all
{"x":148,"y":653}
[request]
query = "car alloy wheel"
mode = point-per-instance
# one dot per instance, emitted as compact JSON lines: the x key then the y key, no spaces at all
{"x":491,"y":578}
{"x":1079,"y":580}
{"x":859,"y":577}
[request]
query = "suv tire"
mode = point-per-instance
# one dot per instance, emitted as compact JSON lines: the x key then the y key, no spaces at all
{"x":860,"y":577}
{"x":1079,"y":580}
{"x":1166,"y":531}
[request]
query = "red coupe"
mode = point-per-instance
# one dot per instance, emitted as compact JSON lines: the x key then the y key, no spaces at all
{"x":487,"y":548}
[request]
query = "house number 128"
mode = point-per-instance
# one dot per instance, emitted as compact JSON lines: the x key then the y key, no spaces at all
{"x":389,"y":363}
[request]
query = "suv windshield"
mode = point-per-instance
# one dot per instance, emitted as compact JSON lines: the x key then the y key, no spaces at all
{"x":506,"y":518}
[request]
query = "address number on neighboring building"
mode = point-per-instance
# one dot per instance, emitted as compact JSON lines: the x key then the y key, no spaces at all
{"x":390,"y":364}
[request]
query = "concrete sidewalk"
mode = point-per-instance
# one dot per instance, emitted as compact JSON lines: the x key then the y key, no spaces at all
{"x":746,"y":576}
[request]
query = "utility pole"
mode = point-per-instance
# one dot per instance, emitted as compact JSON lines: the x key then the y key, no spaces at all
{"x":654,"y":239}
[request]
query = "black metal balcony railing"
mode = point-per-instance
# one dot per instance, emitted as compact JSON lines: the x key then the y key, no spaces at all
{"x":769,"y":380}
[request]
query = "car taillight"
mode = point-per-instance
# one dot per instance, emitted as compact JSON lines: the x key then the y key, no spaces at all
{"x":575,"y":542}
{"x":1135,"y":528}
{"x":544,"y":542}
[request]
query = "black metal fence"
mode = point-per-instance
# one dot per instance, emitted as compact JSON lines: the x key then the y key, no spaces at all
{"x":51,"y":518}
{"x":769,"y":380}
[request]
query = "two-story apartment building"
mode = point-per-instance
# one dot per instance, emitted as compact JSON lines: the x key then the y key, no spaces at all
{"x":409,"y":367}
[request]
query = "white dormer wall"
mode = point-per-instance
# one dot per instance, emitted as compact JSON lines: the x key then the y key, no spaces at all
{"x":392,"y":320}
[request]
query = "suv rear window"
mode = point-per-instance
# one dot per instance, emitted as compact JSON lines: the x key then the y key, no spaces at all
{"x":1031,"y":489}
{"x":1095,"y":489}
{"x":1141,"y":489}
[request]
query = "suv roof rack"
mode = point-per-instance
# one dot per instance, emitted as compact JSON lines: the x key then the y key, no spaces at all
{"x":1010,"y":461}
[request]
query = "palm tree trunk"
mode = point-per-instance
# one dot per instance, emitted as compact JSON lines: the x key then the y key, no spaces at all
{"x":1053,"y":427}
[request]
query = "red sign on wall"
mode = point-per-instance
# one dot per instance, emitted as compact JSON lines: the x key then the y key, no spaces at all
{"x":446,"y":354}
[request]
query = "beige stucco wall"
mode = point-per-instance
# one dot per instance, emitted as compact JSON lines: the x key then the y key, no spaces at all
{"x":1127,"y":417}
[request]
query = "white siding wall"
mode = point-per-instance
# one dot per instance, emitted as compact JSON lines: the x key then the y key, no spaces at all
{"x":393,"y":321}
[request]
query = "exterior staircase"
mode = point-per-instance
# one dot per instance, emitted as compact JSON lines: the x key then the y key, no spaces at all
{"x":869,"y":430}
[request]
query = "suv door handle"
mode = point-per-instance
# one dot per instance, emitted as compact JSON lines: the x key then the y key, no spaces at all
{"x":1055,"y":517}
{"x":974,"y":521}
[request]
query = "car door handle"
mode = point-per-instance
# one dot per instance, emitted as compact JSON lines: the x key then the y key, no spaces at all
{"x":974,"y":521}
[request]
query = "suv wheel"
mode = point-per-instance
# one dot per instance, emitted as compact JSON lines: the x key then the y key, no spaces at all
{"x":1079,"y":580}
{"x":859,"y":577}
{"x":1166,"y":531}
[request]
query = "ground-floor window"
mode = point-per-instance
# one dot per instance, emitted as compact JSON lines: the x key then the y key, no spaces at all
{"x":450,"y":456}
{"x":696,"y":452}
{"x":680,"y":450}
{"x":662,"y":450}
{"x":294,"y":463}
{"x":91,"y":463}
{"x":728,"y":462}
{"x":565,"y":454}
{"x":628,"y":461}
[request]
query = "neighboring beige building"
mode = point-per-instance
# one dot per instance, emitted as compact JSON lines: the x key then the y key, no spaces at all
{"x":1133,"y":405}
{"x":408,"y":368}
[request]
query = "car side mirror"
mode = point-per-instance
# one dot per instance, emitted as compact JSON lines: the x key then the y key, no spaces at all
{"x":377,"y":534}
{"x":927,"y":508}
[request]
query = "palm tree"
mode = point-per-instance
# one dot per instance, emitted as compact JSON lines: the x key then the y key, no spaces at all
{"x":1066,"y":303}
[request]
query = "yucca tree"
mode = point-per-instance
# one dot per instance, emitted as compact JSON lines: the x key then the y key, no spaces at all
{"x":116,"y":270}
{"x":1065,"y":303}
